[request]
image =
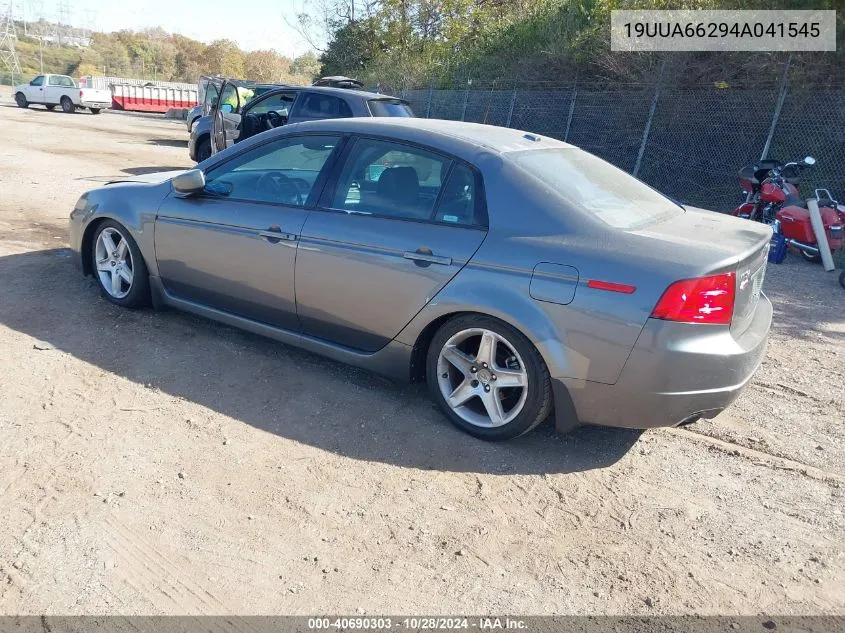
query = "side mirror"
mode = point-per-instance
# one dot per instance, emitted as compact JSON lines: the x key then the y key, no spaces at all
{"x":809,"y":160}
{"x":189,"y":182}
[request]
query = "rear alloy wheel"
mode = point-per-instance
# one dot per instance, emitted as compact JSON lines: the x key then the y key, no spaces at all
{"x":488,"y":378}
{"x":67,"y":105}
{"x":119,"y":266}
{"x":20,"y":99}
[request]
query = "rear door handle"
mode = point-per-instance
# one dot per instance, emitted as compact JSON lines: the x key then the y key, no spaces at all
{"x":274,"y":235}
{"x":426,"y":258}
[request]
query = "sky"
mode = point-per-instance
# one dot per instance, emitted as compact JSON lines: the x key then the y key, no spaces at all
{"x":258,"y":24}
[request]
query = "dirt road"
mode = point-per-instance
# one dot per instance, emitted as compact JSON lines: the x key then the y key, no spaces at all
{"x":158,"y":463}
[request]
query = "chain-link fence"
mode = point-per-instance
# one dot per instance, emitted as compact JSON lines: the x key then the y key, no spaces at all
{"x":689,"y":143}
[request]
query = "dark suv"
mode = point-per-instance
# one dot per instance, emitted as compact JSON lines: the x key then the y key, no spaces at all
{"x":230,"y":122}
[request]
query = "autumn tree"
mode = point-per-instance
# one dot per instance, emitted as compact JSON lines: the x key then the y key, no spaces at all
{"x":267,"y":66}
{"x":223,"y":57}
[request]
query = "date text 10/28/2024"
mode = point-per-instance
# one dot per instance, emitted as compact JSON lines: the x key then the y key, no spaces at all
{"x":417,"y":623}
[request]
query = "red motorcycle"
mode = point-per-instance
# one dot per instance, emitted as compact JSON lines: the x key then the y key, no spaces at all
{"x":772,"y":198}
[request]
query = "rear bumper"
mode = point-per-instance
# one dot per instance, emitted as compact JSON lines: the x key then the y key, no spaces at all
{"x":676,"y":373}
{"x":97,"y":105}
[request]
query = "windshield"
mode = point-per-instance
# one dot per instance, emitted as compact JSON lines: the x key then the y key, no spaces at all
{"x":390,"y":107}
{"x":589,"y":183}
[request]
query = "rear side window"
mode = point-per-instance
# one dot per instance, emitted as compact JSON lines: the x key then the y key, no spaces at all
{"x":389,"y":179}
{"x":398,"y":181}
{"x":390,"y":107}
{"x":320,"y":106}
{"x":597,"y":187}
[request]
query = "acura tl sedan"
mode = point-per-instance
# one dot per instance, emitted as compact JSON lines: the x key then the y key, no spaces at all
{"x":517,"y":275}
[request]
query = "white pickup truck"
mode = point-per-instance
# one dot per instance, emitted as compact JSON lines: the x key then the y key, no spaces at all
{"x":61,"y":90}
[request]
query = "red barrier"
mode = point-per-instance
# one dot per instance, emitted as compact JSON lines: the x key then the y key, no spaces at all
{"x":151,"y":98}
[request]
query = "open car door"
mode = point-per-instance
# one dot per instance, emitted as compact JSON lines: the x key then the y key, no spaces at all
{"x":237,"y":117}
{"x":266,"y":112}
{"x":226,"y":105}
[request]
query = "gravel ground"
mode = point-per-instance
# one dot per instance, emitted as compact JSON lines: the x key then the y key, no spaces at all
{"x":157,"y":463}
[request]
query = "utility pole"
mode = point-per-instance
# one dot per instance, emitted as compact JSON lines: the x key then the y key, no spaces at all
{"x":8,"y":54}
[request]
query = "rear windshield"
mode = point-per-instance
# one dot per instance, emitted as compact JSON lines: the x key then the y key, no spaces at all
{"x":589,"y":183}
{"x":390,"y":107}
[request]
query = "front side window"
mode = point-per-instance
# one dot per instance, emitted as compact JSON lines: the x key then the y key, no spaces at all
{"x":38,"y":81}
{"x":319,"y":106}
{"x":230,"y":99}
{"x":211,"y":94}
{"x":597,"y":187}
{"x":279,"y":103}
{"x":282,"y":172}
{"x":393,"y":180}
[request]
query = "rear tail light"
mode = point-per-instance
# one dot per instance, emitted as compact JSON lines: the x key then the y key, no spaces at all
{"x":702,"y":300}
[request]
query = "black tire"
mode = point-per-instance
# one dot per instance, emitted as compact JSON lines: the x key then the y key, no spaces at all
{"x":539,"y":401}
{"x":139,"y":293}
{"x":67,"y":105}
{"x":50,"y":107}
{"x":842,"y":279}
{"x":203,"y":149}
{"x":815,"y":259}
{"x":20,"y":99}
{"x":95,"y":110}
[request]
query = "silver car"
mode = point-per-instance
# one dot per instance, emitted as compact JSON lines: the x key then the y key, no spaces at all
{"x":518,"y":275}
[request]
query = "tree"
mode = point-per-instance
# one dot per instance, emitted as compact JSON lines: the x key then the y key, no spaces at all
{"x":187,"y":59}
{"x":306,"y":66}
{"x":266,"y":66}
{"x":223,"y":57}
{"x":354,"y":47}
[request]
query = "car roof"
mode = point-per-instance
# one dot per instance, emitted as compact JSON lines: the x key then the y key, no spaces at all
{"x":457,"y":137}
{"x":347,"y":92}
{"x":332,"y":90}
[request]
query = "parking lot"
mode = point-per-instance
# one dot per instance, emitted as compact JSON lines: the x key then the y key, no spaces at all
{"x":154,"y":462}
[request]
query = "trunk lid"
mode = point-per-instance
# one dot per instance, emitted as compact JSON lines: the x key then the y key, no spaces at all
{"x":699,"y":243}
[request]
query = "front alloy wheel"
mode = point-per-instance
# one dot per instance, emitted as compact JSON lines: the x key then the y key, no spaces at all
{"x":488,"y":378}
{"x":115,"y":266}
{"x":119,"y":266}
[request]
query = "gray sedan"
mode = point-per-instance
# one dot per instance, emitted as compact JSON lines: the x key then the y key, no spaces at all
{"x":518,"y":275}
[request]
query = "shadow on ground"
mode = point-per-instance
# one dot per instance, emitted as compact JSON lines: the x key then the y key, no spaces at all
{"x":807,"y":299}
{"x":140,"y":171}
{"x":273,"y":387}
{"x":169,"y":142}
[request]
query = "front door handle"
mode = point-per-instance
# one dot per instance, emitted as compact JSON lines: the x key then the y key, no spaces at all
{"x":274,"y":235}
{"x":424,"y":257}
